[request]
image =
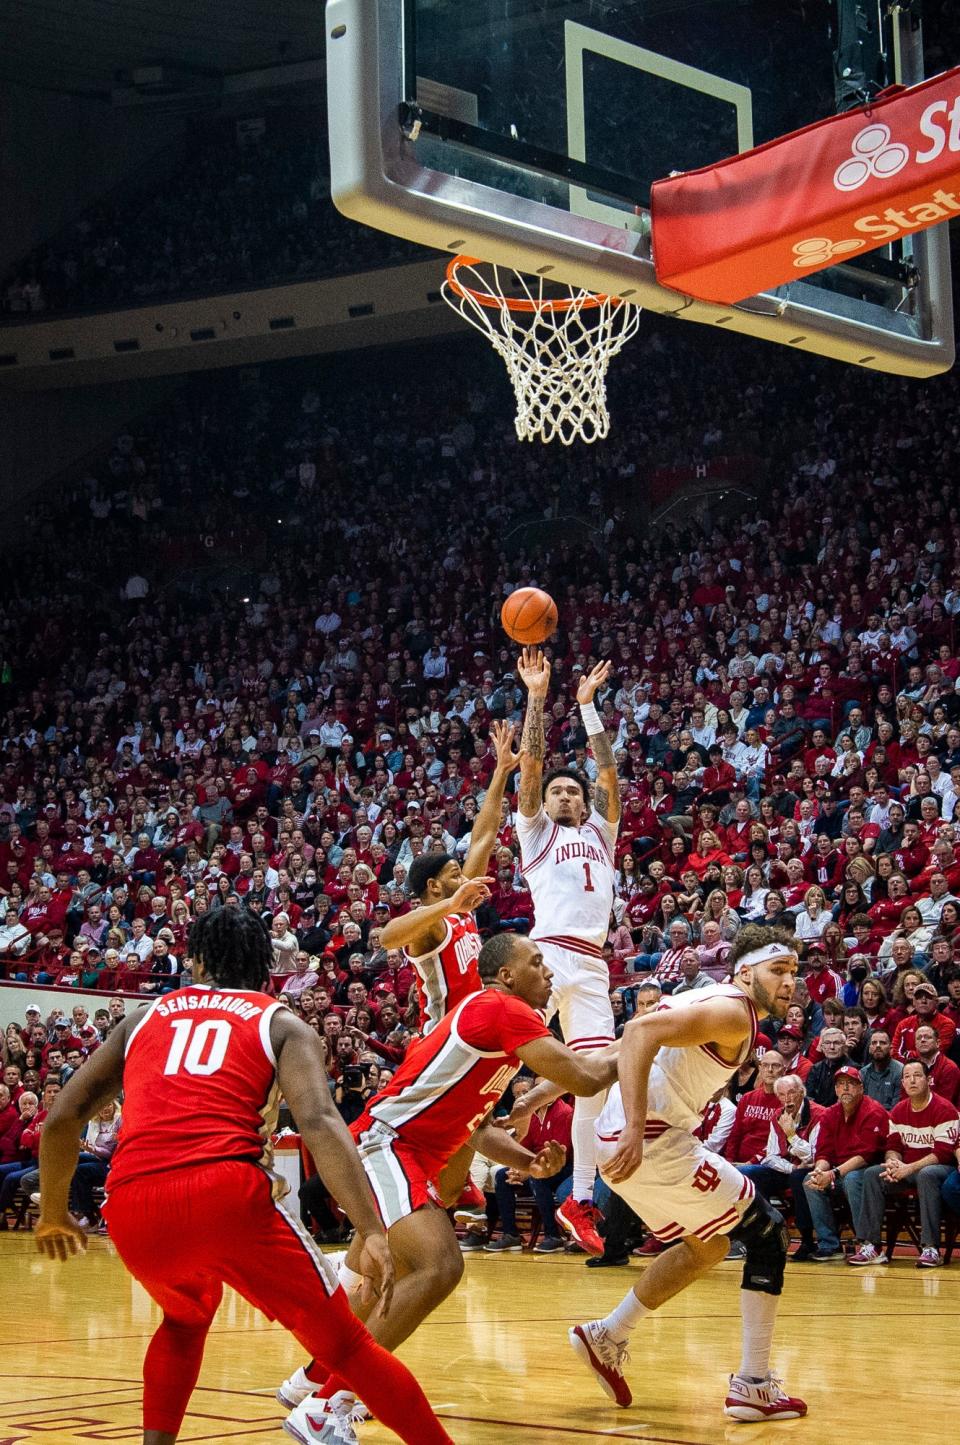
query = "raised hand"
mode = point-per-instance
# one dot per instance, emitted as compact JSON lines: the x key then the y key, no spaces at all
{"x":503,"y":734}
{"x":534,"y":670}
{"x":593,"y":680}
{"x":470,"y":895}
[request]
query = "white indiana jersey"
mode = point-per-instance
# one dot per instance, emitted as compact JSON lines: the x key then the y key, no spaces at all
{"x":684,"y":1080}
{"x":571,"y":874}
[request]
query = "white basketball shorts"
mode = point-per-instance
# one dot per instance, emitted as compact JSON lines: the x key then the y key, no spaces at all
{"x":681,"y":1187}
{"x":581,"y":992}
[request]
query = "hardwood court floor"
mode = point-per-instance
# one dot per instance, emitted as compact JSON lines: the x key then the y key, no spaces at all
{"x":872,"y":1351}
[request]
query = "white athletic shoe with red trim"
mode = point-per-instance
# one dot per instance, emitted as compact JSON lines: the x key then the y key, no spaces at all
{"x":316,"y":1422}
{"x":296,"y":1387}
{"x":579,"y":1219}
{"x":751,"y":1401}
{"x":605,"y":1356}
{"x":338,"y":1414}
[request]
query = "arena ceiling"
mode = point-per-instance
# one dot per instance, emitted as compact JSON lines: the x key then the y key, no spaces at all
{"x":88,"y":47}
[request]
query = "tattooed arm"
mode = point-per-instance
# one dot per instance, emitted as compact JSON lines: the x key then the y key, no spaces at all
{"x":606,"y":793}
{"x":534,"y":672}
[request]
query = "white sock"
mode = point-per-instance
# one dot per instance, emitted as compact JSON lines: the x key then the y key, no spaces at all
{"x":349,"y":1278}
{"x":583,"y":1137}
{"x":627,"y":1315}
{"x":759,"y":1314}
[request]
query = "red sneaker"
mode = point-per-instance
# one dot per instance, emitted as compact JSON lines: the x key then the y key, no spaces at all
{"x":749,"y":1401}
{"x":579,"y":1219}
{"x":471,"y":1206}
{"x":605,"y":1356}
{"x":649,"y":1248}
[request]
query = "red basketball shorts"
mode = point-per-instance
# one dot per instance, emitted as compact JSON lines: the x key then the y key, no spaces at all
{"x":186,"y":1233}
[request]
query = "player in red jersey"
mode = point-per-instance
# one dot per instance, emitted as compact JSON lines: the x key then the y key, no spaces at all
{"x":440,"y":937}
{"x":201,"y":1070}
{"x":441,"y":1096}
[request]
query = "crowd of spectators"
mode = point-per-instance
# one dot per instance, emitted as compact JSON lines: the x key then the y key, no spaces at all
{"x":784,"y":701}
{"x":241,"y":208}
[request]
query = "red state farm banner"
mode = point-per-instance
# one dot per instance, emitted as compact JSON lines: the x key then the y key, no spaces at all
{"x":801,"y":203}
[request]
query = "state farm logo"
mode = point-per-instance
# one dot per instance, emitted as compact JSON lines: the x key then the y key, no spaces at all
{"x":873,"y":153}
{"x":818,"y":250}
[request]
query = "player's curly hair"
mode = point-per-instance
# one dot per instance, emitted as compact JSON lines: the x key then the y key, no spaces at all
{"x":755,"y":935}
{"x":234,"y":947}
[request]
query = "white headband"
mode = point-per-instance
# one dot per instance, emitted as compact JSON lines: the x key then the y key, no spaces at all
{"x":763,"y":954}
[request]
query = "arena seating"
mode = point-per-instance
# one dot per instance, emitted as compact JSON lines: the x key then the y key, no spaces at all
{"x":267,"y":619}
{"x":239,"y":211}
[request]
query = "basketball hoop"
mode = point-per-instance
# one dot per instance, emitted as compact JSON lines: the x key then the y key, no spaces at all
{"x":556,"y":350}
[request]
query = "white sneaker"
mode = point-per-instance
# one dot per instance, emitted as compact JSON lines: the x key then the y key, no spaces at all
{"x":295,"y":1388}
{"x":929,"y":1259}
{"x":34,"y":1198}
{"x":320,"y":1422}
{"x":753,"y":1400}
{"x":605,"y":1356}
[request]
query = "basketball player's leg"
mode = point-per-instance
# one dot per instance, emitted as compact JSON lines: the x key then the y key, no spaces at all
{"x":285,"y":1276}
{"x":702,"y":1201}
{"x":423,"y":1244}
{"x":586,"y":1019}
{"x":177,"y":1279}
{"x":429,"y":1268}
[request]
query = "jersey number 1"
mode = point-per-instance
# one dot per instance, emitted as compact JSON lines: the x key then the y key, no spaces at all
{"x":587,"y":880}
{"x":200,"y":1048}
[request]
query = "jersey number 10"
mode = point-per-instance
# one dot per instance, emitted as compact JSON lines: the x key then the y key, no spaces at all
{"x":199,"y":1048}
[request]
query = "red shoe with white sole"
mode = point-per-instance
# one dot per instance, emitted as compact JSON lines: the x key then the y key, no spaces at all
{"x":579,"y":1219}
{"x":605,"y":1356}
{"x":750,"y":1401}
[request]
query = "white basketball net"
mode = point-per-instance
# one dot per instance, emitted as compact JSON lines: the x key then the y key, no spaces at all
{"x":556,"y":351}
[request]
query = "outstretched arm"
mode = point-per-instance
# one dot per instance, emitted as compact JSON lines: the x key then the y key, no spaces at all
{"x":495,"y":1144}
{"x":575,"y":1073}
{"x":606,"y":793}
{"x":534,"y":672}
{"x":484,"y":832}
{"x":423,"y":929}
{"x":721,"y":1021}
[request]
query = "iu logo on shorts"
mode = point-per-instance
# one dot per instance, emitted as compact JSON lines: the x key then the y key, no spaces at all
{"x":706,"y":1178}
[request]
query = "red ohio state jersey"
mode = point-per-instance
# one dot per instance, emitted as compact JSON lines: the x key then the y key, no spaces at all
{"x":448,"y":974}
{"x":199,"y":1083}
{"x":451,"y":1081}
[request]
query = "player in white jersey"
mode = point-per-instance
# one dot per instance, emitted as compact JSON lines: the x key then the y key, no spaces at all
{"x":567,"y":856}
{"x":671,"y":1063}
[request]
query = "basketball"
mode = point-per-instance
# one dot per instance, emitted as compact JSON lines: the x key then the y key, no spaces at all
{"x":529,"y":616}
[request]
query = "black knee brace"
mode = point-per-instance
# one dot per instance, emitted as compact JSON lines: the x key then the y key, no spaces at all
{"x":764,"y":1234}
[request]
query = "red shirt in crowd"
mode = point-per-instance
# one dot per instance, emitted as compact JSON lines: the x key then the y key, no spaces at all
{"x":903,"y":1043}
{"x":553,"y":1125}
{"x":944,"y":1079}
{"x":934,"y":1129}
{"x":823,"y":983}
{"x":11,"y":1127}
{"x":746,"y":1142}
{"x":864,"y":1133}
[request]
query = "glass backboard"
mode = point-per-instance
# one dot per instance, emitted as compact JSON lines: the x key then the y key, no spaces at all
{"x":529,"y":132}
